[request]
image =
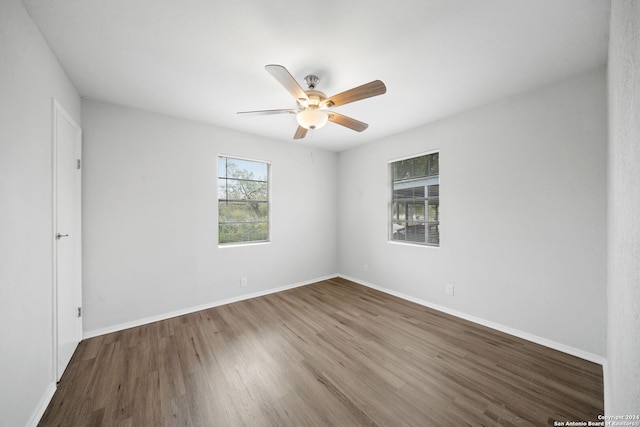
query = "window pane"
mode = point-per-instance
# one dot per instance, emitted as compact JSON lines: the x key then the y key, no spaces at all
{"x":395,"y":211}
{"x":242,"y":211}
{"x":240,"y":189}
{"x":239,"y":168}
{"x":222,"y":189}
{"x":416,"y":211}
{"x":434,"y":234}
{"x":420,"y":166}
{"x":415,"y":232}
{"x":433,"y":212}
{"x":398,"y":230}
{"x":415,"y":200}
{"x":243,"y":200}
{"x":403,"y":169}
{"x":222,"y":166}
{"x":403,"y":211}
{"x":434,"y":164}
{"x":408,"y":193}
{"x":243,"y":232}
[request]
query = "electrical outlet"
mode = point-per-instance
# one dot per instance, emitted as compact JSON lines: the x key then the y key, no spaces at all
{"x":448,"y":289}
{"x":243,"y":282}
{"x":366,"y":267}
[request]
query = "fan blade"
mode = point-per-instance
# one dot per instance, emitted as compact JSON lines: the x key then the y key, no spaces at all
{"x":286,"y":79}
{"x":266,"y":112}
{"x":345,"y":121}
{"x":300,"y":133}
{"x":367,"y":90}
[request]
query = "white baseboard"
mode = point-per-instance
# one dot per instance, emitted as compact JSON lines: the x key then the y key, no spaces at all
{"x":188,"y":310}
{"x":595,"y":358}
{"x":42,"y":405}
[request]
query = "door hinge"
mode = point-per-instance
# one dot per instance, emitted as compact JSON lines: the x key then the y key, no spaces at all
{"x":79,"y":311}
{"x":78,"y":164}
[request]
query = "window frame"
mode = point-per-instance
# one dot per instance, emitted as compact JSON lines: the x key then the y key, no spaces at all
{"x":390,"y":202}
{"x":268,"y":201}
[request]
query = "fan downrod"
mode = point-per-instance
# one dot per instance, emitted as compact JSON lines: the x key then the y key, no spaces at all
{"x":312,"y":81}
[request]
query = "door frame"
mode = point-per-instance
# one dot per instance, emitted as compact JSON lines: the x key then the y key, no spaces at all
{"x":58,"y":110}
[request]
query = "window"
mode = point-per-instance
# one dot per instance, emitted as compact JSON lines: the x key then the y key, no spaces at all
{"x":243,"y":200}
{"x":415,"y":200}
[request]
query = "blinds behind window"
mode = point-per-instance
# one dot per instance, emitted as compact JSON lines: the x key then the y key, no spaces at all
{"x":415,"y":200}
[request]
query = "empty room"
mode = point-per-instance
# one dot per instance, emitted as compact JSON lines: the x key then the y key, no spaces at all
{"x":292,"y":213}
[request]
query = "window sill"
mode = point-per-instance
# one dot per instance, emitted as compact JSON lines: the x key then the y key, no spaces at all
{"x":418,"y":245}
{"x":242,"y":244}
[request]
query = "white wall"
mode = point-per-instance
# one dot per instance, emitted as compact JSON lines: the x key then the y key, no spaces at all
{"x":150,"y":216}
{"x":623,"y":345}
{"x":29,"y":77}
{"x":523,"y":237}
{"x":523,"y":208}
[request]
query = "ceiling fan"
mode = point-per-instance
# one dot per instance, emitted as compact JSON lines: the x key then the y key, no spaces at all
{"x":313,"y":107}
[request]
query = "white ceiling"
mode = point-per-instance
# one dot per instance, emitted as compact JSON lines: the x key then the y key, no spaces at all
{"x":204,"y":59}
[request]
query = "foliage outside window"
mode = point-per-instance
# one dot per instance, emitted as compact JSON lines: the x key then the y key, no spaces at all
{"x":415,"y":200}
{"x":243,"y":200}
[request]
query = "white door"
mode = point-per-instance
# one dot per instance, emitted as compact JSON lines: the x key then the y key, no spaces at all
{"x":67,"y":142}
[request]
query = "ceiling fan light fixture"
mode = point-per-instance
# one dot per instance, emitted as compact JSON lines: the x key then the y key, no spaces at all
{"x":312,"y":104}
{"x":312,"y":118}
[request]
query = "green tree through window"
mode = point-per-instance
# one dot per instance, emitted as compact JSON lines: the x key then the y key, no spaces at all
{"x":243,"y":200}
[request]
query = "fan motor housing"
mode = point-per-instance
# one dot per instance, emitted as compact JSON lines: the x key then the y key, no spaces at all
{"x":315,"y":98}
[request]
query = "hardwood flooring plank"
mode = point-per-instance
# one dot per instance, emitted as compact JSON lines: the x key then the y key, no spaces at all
{"x":333,"y":353}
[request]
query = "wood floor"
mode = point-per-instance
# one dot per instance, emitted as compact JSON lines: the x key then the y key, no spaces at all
{"x":330,"y":353}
